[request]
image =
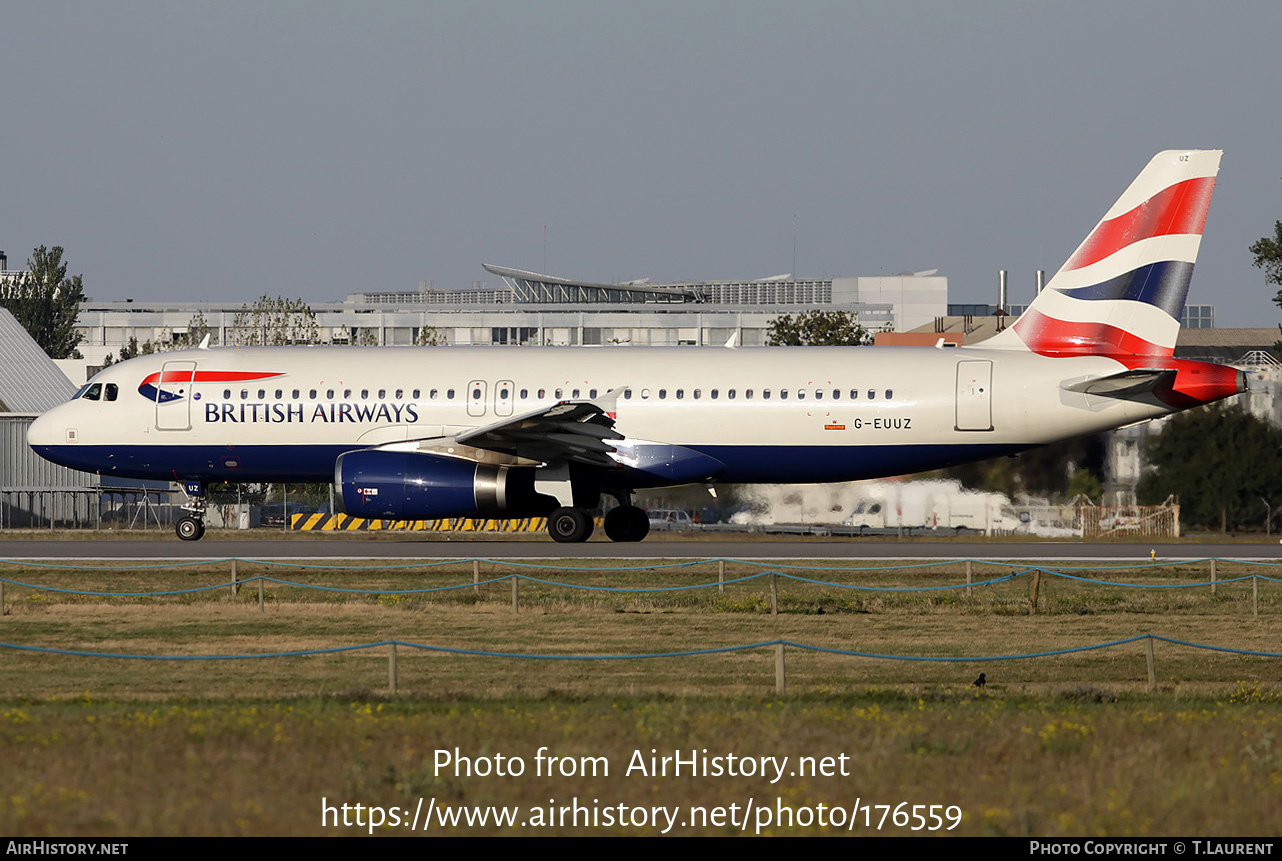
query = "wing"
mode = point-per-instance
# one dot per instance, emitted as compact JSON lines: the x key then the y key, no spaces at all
{"x":579,"y":431}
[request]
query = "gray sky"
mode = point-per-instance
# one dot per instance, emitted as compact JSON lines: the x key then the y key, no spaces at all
{"x":223,"y":150}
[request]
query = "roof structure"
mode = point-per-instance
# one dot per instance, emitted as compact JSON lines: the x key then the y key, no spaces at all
{"x":30,"y":382}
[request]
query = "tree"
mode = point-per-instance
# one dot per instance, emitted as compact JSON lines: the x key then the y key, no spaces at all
{"x":1268,"y":257}
{"x":430,"y":336}
{"x":817,"y":329}
{"x":46,"y":302}
{"x":1216,"y":459}
{"x":275,"y":322}
{"x":197,"y":328}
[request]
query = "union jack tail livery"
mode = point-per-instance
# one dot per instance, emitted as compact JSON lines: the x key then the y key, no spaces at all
{"x":1122,"y":291}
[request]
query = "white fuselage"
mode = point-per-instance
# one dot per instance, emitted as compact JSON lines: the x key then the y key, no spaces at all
{"x":769,"y":414}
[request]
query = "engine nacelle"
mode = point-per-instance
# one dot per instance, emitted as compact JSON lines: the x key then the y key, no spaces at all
{"x":399,"y":485}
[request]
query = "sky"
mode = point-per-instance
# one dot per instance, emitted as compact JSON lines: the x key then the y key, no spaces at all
{"x":191,"y":151}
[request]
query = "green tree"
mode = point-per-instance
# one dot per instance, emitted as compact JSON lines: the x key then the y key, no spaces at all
{"x":430,"y":336}
{"x":1268,"y":257}
{"x":46,"y":302}
{"x":1216,"y":459}
{"x":275,"y":322}
{"x":817,"y":329}
{"x":197,"y":328}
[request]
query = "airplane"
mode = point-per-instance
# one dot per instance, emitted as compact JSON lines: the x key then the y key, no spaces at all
{"x":410,"y":433}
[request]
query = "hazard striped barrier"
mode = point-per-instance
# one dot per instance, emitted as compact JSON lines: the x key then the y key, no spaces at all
{"x":348,"y":523}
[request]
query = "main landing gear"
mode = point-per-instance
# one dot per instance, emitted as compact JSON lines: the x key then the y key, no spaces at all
{"x":625,"y":523}
{"x":191,"y":526}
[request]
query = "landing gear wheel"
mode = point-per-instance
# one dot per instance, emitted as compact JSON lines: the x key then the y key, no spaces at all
{"x":190,"y":528}
{"x":627,"y":523}
{"x":569,"y":525}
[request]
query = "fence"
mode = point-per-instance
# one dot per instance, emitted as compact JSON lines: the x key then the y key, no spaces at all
{"x":1037,"y":577}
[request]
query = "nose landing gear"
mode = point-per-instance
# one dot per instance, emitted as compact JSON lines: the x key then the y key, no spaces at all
{"x":191,"y":527}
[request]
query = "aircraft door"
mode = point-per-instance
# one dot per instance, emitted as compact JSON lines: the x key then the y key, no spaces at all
{"x":173,"y":396}
{"x":476,"y":398}
{"x":974,"y":396}
{"x":503,"y":397}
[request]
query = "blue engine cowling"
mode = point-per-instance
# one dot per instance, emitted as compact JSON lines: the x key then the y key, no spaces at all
{"x":398,"y":485}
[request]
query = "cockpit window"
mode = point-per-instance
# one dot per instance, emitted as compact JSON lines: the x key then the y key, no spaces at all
{"x":94,"y":392}
{"x":111,"y":391}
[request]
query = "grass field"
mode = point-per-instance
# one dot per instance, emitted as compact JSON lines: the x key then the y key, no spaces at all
{"x":1069,"y":745}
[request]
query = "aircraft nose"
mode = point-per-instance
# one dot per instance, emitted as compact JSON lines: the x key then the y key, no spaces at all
{"x":46,"y":430}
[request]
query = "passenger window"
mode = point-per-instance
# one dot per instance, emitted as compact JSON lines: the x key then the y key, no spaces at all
{"x":591,"y":393}
{"x":765,"y":394}
{"x":476,"y":394}
{"x":890,"y":393}
{"x":560,"y":393}
{"x":730,"y":394}
{"x":329,"y":393}
{"x":645,"y":394}
{"x":525,"y":393}
{"x":227,"y":394}
{"x":543,"y":393}
{"x":432,"y":395}
{"x":503,"y":393}
{"x":854,"y":394}
{"x":262,"y":394}
{"x":836,"y":394}
{"x":714,"y":394}
{"x":449,"y":394}
{"x":347,"y":393}
{"x":244,"y":394}
{"x":681,"y":393}
{"x":364,"y":394}
{"x":872,"y":395}
{"x":111,"y":392}
{"x":783,"y":394}
{"x":382,"y":394}
{"x":295,"y":394}
{"x":311,"y":394}
{"x":748,"y":394}
{"x":801,"y":394}
{"x":417,"y":392}
{"x":279,"y":394}
{"x":400,"y":393}
{"x":575,"y":394}
{"x":819,"y":395}
{"x":627,"y":394}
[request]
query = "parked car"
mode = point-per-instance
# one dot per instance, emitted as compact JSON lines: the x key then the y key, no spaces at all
{"x":670,"y":518}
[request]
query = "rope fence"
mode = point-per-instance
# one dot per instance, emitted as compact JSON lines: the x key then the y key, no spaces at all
{"x":967,"y":585}
{"x":776,"y":647}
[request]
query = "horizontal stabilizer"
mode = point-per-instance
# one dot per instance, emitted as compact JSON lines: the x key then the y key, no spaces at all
{"x":1124,"y":384}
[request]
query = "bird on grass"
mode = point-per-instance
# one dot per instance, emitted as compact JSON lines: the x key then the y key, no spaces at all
{"x":979,"y":682}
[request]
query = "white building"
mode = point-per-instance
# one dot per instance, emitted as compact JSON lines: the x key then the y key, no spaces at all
{"x":533,"y":309}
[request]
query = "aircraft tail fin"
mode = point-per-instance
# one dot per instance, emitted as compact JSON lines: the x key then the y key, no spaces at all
{"x":1122,"y":291}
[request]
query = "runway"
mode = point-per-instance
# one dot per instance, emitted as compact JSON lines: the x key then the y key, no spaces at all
{"x":539,"y":547}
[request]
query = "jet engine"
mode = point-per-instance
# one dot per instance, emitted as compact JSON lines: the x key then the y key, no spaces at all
{"x":400,"y":485}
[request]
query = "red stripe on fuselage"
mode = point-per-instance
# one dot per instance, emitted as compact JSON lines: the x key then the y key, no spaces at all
{"x":210,"y":377}
{"x":1180,"y":209}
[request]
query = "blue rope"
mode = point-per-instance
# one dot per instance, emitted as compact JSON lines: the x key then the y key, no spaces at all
{"x":638,"y":656}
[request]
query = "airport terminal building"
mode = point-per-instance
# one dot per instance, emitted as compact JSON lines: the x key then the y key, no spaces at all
{"x":535,"y":309}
